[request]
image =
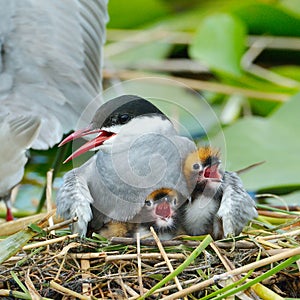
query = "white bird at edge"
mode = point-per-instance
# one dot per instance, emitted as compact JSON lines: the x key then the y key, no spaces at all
{"x":50,"y":71}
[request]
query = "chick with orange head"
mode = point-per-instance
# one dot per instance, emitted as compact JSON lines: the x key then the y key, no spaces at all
{"x":159,"y":211}
{"x":219,"y":204}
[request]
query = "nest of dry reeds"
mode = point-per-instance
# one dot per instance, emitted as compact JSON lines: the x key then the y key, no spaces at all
{"x":42,"y":262}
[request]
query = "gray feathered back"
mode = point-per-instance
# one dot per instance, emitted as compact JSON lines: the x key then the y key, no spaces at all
{"x":127,"y":176}
{"x":115,"y":182}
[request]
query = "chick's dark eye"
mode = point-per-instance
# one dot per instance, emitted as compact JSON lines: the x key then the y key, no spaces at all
{"x":196,"y":166}
{"x":124,"y":118}
{"x":148,"y":203}
{"x":174,"y":201}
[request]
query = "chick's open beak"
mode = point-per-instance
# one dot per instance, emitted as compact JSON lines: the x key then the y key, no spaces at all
{"x":96,"y":142}
{"x":163,"y":210}
{"x":212,"y":172}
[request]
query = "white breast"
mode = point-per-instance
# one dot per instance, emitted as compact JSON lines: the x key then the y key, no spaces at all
{"x":199,"y":215}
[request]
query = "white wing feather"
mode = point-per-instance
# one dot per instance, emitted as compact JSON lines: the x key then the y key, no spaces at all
{"x":50,"y":71}
{"x":51,"y":61}
{"x":16,"y":135}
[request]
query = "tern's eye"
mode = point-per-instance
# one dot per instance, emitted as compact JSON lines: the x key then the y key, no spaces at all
{"x":196,"y":166}
{"x":149,"y":203}
{"x":124,"y":118}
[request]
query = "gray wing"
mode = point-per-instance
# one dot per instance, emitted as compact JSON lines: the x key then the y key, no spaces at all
{"x":74,"y":198}
{"x":127,"y":176}
{"x":16,"y":135}
{"x":51,"y":61}
{"x":237,"y":207}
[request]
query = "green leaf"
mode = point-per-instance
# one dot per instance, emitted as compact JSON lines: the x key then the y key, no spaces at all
{"x":263,"y":108}
{"x":36,"y":228}
{"x":157,"y":277}
{"x":130,"y":14}
{"x":12,"y":244}
{"x":285,"y":264}
{"x":19,"y":282}
{"x":269,"y":19}
{"x":220,"y":43}
{"x":292,"y":71}
{"x":291,"y":6}
{"x":188,"y":20}
{"x":99,"y":237}
{"x":273,"y":139}
{"x":208,"y":239}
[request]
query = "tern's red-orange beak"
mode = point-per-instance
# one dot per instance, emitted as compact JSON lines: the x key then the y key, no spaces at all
{"x":78,"y":134}
{"x":96,"y":142}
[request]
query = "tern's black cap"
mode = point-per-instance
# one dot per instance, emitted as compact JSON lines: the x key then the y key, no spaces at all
{"x":121,"y":110}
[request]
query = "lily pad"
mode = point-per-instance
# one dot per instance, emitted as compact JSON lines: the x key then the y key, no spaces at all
{"x":274,"y":139}
{"x":220,"y":43}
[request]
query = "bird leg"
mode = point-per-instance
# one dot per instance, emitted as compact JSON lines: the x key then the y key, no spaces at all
{"x":9,"y":215}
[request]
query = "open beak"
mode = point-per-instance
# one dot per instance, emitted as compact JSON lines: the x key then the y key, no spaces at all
{"x":212,"y":172}
{"x":94,"y":143}
{"x":78,"y":134}
{"x":163,"y":210}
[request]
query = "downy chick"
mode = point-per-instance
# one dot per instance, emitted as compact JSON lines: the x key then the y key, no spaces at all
{"x":219,"y":204}
{"x":159,"y":212}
